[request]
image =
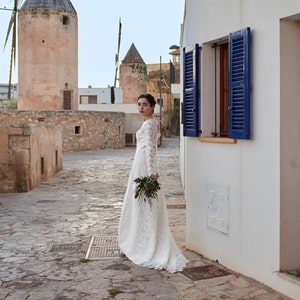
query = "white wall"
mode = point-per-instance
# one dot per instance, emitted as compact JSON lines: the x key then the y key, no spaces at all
{"x":290,"y":143}
{"x":103,"y":94}
{"x":249,"y":169}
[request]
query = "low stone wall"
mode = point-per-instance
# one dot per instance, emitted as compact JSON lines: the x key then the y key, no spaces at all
{"x":81,"y":130}
{"x":8,"y":104}
{"x":29,"y":154}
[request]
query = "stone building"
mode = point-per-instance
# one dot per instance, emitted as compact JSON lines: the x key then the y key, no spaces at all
{"x":48,"y":98}
{"x":47,"y":56}
{"x":29,"y":154}
{"x":133,"y":75}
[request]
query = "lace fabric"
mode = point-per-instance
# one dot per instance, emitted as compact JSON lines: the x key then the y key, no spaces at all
{"x":144,"y":233}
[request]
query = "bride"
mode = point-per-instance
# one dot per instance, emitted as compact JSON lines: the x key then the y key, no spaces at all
{"x":144,"y":233}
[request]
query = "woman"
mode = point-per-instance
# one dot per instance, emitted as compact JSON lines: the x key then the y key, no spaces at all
{"x":144,"y":233}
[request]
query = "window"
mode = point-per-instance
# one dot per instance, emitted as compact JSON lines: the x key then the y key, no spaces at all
{"x":65,"y":20}
{"x":77,"y":130}
{"x":42,"y":166}
{"x":225,"y":93}
{"x":160,"y":101}
{"x":56,"y":158}
{"x":67,"y":100}
{"x":88,"y":99}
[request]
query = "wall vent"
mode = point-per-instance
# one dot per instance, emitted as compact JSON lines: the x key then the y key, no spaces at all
{"x":218,"y":208}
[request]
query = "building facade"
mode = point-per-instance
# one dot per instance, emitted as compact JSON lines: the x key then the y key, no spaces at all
{"x":29,"y":154}
{"x":240,"y":150}
{"x":4,"y":91}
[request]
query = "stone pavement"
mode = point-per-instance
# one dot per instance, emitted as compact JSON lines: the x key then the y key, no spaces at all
{"x":45,"y":233}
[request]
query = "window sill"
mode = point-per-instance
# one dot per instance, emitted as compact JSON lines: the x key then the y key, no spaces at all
{"x":221,"y":140}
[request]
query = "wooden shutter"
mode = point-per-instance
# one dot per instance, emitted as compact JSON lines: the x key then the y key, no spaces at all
{"x":190,"y":113}
{"x":239,"y":84}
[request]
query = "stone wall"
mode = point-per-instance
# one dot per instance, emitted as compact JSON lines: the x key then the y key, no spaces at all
{"x":81,"y":130}
{"x":29,"y":154}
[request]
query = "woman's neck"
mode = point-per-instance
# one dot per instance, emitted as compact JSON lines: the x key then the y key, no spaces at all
{"x":148,"y":118}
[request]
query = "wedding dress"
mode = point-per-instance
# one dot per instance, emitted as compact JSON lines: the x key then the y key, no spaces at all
{"x":144,"y":233}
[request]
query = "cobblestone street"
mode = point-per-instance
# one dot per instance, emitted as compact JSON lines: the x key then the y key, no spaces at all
{"x":45,"y":234}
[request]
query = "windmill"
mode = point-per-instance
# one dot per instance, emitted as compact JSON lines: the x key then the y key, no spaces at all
{"x":12,"y":30}
{"x":112,"y":89}
{"x":117,"y":54}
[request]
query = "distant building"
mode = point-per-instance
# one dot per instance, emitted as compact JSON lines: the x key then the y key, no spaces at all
{"x":136,"y":77}
{"x":109,"y":95}
{"x":47,"y":56}
{"x":133,"y":75}
{"x":4,"y":91}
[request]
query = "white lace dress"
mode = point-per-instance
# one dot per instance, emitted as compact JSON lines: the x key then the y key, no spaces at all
{"x":144,"y":233}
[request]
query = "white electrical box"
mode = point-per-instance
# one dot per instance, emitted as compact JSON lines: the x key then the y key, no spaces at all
{"x":218,"y":208}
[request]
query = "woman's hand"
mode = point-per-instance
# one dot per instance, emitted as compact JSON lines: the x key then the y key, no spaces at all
{"x":155,"y":176}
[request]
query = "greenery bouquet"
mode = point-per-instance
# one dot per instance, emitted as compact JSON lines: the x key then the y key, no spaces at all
{"x":146,"y":189}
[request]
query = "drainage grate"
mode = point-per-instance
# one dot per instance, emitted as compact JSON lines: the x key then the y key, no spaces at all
{"x":176,"y":206}
{"x":66,"y":247}
{"x":46,"y":201}
{"x":204,"y":272}
{"x":102,"y":247}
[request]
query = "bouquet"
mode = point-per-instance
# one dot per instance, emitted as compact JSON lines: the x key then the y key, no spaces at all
{"x":146,"y":189}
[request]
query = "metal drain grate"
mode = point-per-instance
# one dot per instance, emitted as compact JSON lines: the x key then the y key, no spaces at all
{"x":103,"y":247}
{"x":65,"y":247}
{"x":46,"y":201}
{"x":204,"y":272}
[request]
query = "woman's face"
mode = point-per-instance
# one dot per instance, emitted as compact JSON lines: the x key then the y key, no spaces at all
{"x":144,"y":108}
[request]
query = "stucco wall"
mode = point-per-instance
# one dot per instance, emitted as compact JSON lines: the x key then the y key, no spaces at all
{"x":81,"y":130}
{"x":29,"y":154}
{"x":249,"y":170}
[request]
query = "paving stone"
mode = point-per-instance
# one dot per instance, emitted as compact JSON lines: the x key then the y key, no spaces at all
{"x":84,"y":200}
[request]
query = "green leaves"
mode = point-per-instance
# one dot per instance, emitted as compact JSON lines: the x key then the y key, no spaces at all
{"x":146,"y":189}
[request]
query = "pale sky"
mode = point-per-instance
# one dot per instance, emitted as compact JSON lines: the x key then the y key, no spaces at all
{"x":153,"y":26}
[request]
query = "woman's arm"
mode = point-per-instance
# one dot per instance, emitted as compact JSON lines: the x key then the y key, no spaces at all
{"x":150,"y":148}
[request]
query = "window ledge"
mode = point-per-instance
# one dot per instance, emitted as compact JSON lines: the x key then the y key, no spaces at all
{"x":221,"y":140}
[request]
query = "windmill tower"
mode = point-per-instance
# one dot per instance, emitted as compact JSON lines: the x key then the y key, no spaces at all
{"x":47,"y":56}
{"x":133,"y":75}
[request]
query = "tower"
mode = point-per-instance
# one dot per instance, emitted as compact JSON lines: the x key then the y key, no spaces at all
{"x":47,"y":55}
{"x":133,"y":75}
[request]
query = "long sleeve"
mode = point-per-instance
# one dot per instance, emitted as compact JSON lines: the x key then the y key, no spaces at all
{"x":151,"y":131}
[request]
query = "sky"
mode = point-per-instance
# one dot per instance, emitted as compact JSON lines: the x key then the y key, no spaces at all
{"x":153,"y":26}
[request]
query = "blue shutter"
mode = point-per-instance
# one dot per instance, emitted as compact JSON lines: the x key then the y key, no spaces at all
{"x":239,"y":84}
{"x":190,"y":113}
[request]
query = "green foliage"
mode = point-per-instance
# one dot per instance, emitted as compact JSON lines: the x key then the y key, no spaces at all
{"x":114,"y":292}
{"x":146,"y":189}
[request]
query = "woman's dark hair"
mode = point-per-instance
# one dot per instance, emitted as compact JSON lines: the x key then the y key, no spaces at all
{"x":149,"y":98}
